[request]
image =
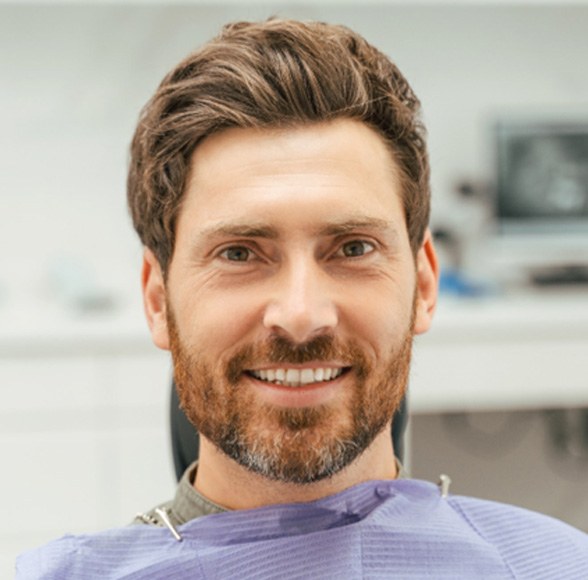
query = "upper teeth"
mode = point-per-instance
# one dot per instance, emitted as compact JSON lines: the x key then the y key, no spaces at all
{"x":297,"y":377}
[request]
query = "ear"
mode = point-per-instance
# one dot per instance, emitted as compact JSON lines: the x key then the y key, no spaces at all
{"x":427,"y":269}
{"x":154,"y":299}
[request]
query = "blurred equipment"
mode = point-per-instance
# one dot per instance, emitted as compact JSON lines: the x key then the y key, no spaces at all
{"x":73,"y":283}
{"x":541,"y":199}
{"x":568,"y":430}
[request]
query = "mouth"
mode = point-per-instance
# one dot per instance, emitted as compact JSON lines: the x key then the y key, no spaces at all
{"x":298,"y":377}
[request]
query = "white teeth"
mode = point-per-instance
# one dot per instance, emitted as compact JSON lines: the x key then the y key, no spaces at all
{"x":297,"y":377}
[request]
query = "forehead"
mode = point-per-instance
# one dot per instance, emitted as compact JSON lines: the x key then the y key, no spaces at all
{"x":321,"y":172}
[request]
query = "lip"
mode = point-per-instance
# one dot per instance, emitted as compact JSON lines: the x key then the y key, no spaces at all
{"x":310,"y":395}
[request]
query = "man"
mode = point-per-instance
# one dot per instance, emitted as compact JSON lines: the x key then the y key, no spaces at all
{"x":279,"y":184}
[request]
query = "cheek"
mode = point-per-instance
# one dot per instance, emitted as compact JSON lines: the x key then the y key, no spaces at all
{"x":214,"y":322}
{"x":379,"y":320}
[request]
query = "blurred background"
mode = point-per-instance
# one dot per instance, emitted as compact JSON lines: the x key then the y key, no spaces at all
{"x":499,"y":388}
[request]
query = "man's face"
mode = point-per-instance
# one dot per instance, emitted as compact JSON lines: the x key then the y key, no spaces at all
{"x":292,"y":296}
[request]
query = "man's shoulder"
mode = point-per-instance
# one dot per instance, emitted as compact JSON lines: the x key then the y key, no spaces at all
{"x":112,"y":553}
{"x":526,"y":539}
{"x":492,"y":518}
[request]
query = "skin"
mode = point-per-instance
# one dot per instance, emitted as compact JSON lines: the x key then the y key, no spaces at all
{"x":294,"y":233}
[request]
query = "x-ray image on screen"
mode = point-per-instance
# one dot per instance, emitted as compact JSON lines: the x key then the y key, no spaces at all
{"x":542,"y":172}
{"x":541,"y":200}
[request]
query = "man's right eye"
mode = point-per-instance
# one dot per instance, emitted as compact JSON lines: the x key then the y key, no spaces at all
{"x":236,"y":254}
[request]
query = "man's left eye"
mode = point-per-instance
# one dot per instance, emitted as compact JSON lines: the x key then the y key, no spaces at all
{"x":236,"y":254}
{"x":356,"y":248}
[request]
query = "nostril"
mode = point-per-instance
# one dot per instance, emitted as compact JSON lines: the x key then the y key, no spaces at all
{"x":300,"y":324}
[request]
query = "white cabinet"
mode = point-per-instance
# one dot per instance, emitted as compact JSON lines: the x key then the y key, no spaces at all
{"x":84,"y":442}
{"x":526,"y":351}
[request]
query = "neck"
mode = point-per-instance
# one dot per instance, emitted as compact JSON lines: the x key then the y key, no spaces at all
{"x":234,"y":487}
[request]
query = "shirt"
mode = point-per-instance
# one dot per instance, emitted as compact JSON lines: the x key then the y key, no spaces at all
{"x":189,"y":503}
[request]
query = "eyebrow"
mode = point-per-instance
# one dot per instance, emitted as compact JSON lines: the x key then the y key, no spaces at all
{"x":347,"y":226}
{"x":266,"y":231}
{"x":239,"y":230}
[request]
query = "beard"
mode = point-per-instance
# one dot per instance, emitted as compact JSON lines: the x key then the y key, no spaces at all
{"x":293,"y":445}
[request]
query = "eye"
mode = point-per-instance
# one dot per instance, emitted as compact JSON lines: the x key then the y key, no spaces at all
{"x":236,"y":254}
{"x":356,"y":248}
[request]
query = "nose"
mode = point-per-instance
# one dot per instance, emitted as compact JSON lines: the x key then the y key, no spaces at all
{"x":301,"y":305}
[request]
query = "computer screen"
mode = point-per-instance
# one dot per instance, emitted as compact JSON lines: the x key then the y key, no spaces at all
{"x":541,"y":198}
{"x":542,"y":177}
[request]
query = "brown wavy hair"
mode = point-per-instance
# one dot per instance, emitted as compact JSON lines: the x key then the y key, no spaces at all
{"x":277,"y":73}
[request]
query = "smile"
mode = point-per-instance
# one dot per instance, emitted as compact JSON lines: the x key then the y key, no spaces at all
{"x":297,"y":377}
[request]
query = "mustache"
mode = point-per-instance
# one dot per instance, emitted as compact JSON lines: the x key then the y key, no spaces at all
{"x":278,"y":349}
